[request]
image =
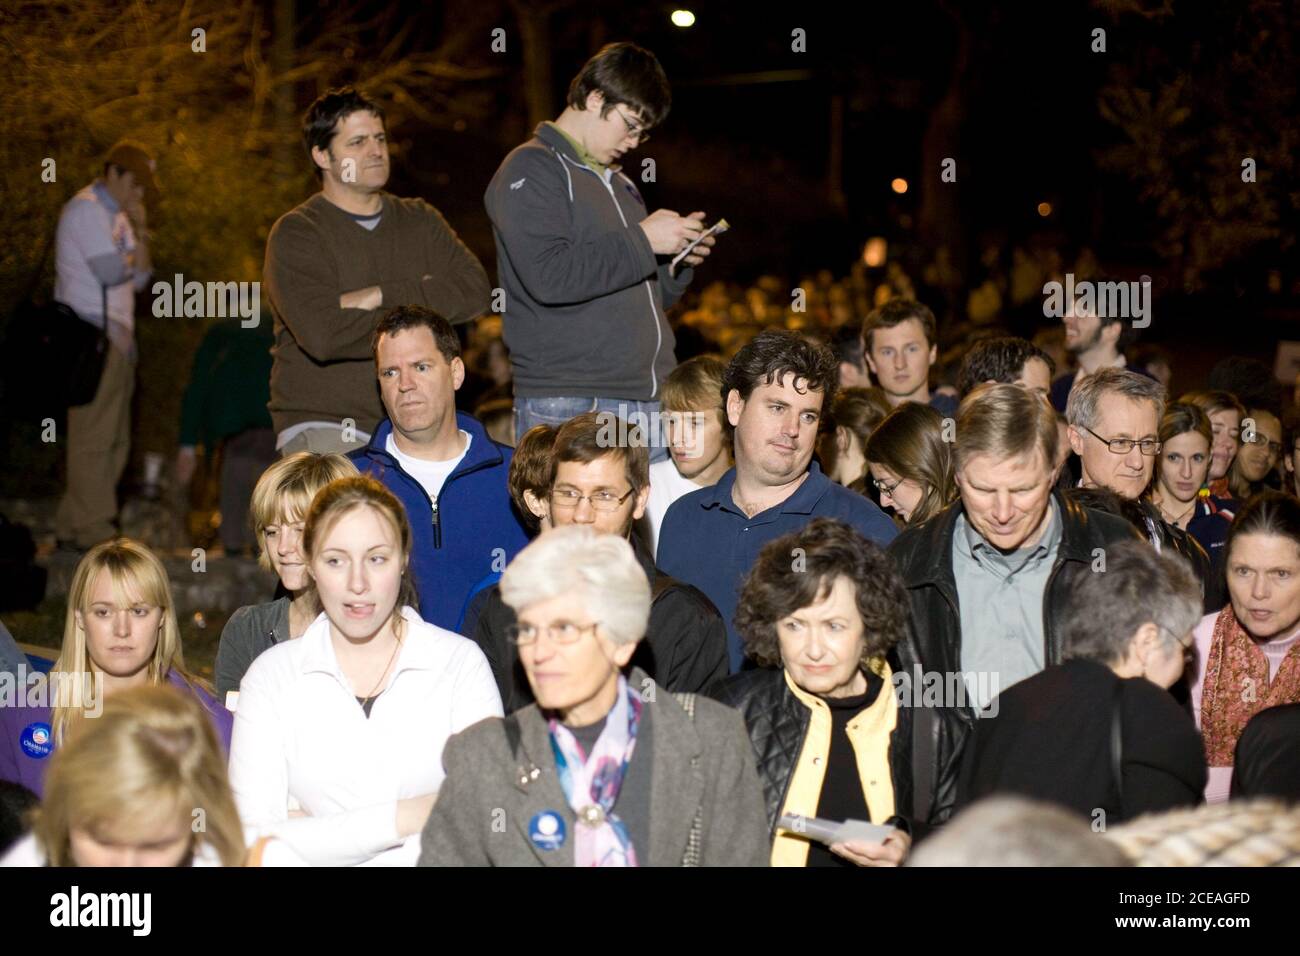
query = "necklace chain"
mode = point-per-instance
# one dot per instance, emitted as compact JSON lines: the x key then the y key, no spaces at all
{"x":1184,"y":513}
{"x":392,"y":657}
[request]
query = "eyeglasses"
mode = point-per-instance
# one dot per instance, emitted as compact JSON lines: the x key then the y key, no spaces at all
{"x":1122,"y":446}
{"x":606,"y":501}
{"x":886,"y":489}
{"x":560,"y":632}
{"x":634,"y":129}
{"x":1187,"y":644}
{"x":1274,"y":447}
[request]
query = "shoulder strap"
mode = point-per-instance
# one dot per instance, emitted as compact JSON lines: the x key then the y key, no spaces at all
{"x":511,"y":725}
{"x":1117,"y":739}
{"x":693,"y":841}
{"x":924,"y":768}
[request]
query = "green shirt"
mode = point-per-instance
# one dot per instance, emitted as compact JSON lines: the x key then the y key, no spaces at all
{"x":583,"y":155}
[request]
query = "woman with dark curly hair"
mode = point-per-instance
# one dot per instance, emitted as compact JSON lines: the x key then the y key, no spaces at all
{"x":818,"y":613}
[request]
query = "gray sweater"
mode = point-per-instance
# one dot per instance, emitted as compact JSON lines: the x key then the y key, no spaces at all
{"x":250,"y":631}
{"x":489,"y":799}
{"x":585,"y":296}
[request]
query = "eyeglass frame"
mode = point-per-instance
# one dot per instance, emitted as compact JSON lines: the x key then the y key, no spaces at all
{"x":618,"y":502}
{"x":1157,"y":445}
{"x":637,"y":131}
{"x":1188,"y":649}
{"x":1260,"y":438}
{"x":512,"y":633}
{"x":886,"y":489}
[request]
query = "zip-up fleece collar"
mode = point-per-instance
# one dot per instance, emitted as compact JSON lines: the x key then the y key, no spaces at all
{"x":552,"y":136}
{"x":482,"y":452}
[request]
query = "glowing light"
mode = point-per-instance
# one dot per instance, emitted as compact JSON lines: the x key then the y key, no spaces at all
{"x":875,"y":252}
{"x":899,"y":185}
{"x":1044,"y":209}
{"x":682,"y":18}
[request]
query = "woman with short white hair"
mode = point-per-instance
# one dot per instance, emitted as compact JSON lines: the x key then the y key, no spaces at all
{"x":605,"y":769}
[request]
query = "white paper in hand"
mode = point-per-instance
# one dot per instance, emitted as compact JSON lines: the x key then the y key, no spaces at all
{"x":830,"y":831}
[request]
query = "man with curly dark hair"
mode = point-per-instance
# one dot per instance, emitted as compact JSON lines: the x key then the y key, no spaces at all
{"x":775,"y":390}
{"x":819,"y":611}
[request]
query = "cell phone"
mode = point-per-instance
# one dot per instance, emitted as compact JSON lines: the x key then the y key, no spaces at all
{"x":831,"y":831}
{"x":717,"y":229}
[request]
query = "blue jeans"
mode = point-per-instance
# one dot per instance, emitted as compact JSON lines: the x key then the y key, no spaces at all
{"x":556,"y":411}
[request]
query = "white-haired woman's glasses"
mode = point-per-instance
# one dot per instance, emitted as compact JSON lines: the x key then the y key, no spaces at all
{"x":560,"y":632}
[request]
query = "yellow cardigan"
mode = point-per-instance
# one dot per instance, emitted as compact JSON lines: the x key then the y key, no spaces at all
{"x":869,"y":733}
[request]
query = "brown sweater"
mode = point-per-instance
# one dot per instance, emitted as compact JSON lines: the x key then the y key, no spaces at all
{"x":323,"y":368}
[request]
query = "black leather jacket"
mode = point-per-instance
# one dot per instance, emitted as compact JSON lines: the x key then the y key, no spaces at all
{"x":1214,"y":589}
{"x":933,"y":646}
{"x":777,"y":722}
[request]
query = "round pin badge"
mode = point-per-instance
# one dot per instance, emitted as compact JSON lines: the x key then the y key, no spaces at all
{"x":547,"y":830}
{"x":37,"y":740}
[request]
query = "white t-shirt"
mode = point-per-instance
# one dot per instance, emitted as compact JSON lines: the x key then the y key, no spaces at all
{"x":300,"y":735}
{"x":430,"y":474}
{"x":666,"y":486}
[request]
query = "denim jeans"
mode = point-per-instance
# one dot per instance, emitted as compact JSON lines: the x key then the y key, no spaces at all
{"x":556,"y":411}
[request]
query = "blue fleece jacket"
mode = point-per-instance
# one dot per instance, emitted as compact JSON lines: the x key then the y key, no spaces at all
{"x":471,"y":530}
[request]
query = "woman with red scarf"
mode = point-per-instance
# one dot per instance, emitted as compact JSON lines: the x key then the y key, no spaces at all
{"x":1248,"y":655}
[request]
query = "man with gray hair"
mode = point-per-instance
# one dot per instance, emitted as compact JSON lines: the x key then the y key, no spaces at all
{"x":987,"y":577}
{"x":1114,"y":428}
{"x":1099,"y":734}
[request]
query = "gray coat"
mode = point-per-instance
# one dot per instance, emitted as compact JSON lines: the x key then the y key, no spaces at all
{"x":250,"y":631}
{"x":485,"y":805}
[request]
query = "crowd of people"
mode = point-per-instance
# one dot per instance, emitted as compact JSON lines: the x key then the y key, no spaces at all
{"x":802,"y":599}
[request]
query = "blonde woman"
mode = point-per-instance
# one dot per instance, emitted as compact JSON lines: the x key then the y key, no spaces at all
{"x":347,"y":723}
{"x":280,"y":502}
{"x":911,"y":464}
{"x":143,"y":785}
{"x":120,"y":633}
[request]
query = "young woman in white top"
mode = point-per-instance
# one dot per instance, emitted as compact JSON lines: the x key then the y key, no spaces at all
{"x":338,"y":738}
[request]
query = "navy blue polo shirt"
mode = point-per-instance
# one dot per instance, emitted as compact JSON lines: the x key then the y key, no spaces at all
{"x":707,"y":541}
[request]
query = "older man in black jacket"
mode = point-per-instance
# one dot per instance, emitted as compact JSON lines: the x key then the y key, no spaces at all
{"x":600,"y":475}
{"x":986,"y":579}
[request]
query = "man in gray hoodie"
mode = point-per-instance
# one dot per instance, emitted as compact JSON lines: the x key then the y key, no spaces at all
{"x":584,"y":269}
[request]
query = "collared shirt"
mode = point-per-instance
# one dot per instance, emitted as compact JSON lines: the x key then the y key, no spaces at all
{"x":708,"y":541}
{"x":301,"y":735}
{"x":1000,"y":597}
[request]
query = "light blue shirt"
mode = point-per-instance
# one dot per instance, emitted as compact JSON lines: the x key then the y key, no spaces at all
{"x":1001,"y":600}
